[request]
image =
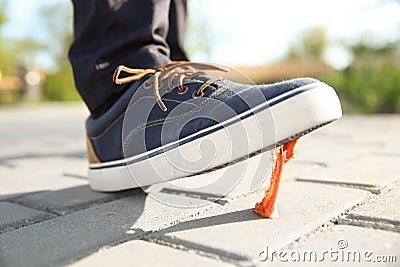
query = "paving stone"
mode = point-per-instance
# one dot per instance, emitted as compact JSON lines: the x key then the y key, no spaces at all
{"x":297,"y":167}
{"x":14,"y":216}
{"x":68,"y":200}
{"x":384,"y":207}
{"x":361,"y":128}
{"x":349,"y":245}
{"x":41,"y":174}
{"x":140,"y":253}
{"x":375,"y":171}
{"x":43,"y":147}
{"x":326,"y":151}
{"x":10,"y":197}
{"x":235,"y":230}
{"x":159,"y":214}
{"x":382,"y":213}
{"x":42,"y":129}
{"x":63,"y":239}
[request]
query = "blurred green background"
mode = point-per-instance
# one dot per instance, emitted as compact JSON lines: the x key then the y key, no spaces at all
{"x":37,"y":69}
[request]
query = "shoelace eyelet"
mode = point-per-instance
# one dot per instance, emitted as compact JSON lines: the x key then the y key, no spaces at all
{"x":147,"y":84}
{"x":184,"y":91}
{"x":196,"y":95}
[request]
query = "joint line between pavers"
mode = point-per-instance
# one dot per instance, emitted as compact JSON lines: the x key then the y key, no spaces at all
{"x":66,"y":210}
{"x":11,"y":227}
{"x":330,"y":223}
{"x":27,"y":205}
{"x":370,"y":222}
{"x":199,"y":249}
{"x":309,"y":235}
{"x":374,"y":189}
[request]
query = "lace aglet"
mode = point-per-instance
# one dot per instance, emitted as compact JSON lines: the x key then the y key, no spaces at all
{"x":162,"y":105}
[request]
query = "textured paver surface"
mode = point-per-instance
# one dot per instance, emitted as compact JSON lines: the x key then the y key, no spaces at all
{"x":15,"y":216}
{"x":150,"y":255}
{"x":341,"y":193}
{"x":345,"y":245}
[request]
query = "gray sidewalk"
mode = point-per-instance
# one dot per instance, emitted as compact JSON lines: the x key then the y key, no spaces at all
{"x":339,"y":202}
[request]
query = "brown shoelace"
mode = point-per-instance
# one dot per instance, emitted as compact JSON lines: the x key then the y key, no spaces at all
{"x":181,"y":69}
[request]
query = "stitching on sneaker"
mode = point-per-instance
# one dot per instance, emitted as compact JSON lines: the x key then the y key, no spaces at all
{"x":129,"y":108}
{"x":132,"y":135}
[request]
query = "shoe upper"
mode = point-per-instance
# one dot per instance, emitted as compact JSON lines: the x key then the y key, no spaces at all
{"x":136,"y":124}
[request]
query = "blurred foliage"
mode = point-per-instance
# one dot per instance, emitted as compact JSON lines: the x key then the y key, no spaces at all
{"x":371,"y":84}
{"x":311,"y":45}
{"x":7,"y":58}
{"x":17,"y":54}
{"x":3,"y":16}
{"x":198,"y":34}
{"x":59,"y":85}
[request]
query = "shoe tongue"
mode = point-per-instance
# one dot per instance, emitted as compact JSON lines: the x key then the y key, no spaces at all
{"x":202,"y":78}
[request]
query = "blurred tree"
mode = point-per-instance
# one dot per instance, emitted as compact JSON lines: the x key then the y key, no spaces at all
{"x":371,"y":83}
{"x":311,"y":45}
{"x":57,"y":24}
{"x":59,"y":84}
{"x":197,"y":44}
{"x":22,"y":54}
{"x":200,"y":34}
{"x":7,"y":57}
{"x":3,"y":17}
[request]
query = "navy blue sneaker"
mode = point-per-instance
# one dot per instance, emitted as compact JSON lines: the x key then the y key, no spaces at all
{"x":183,"y":119}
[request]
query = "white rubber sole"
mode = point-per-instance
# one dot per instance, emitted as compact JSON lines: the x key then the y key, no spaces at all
{"x":313,"y":106}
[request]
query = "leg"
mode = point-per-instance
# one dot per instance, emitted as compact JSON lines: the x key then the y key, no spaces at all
{"x":113,"y":32}
{"x":177,"y":28}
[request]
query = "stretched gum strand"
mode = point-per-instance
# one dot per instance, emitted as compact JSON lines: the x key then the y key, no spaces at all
{"x":267,"y":207}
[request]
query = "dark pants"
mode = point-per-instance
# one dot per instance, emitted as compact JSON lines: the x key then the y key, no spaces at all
{"x":135,"y":33}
